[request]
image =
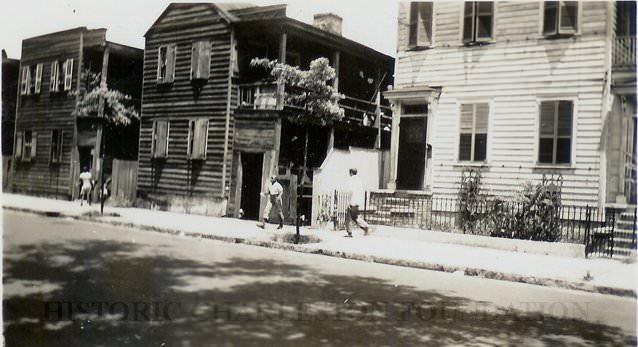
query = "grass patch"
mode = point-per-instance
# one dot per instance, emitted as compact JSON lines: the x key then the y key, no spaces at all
{"x":95,"y":214}
{"x":291,"y":237}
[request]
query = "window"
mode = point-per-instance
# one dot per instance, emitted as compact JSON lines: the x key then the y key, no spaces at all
{"x":54,"y":84}
{"x":37,"y":81}
{"x":25,"y":81}
{"x":166,"y":63}
{"x":473,"y":132}
{"x":159,"y":146}
{"x":420,"y":24}
{"x":26,"y":144}
{"x":56,"y":145}
{"x":560,"y":17}
{"x":478,"y":21}
{"x":555,"y":135}
{"x":197,"y":139}
{"x":200,"y":60}
{"x":68,"y":74}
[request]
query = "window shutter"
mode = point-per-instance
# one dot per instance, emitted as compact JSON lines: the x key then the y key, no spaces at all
{"x":18,"y":144}
{"x":161,"y":63}
{"x":547,"y":118}
{"x":171,"y":54}
{"x":413,"y":25}
{"x":568,"y":17}
{"x":482,"y":113}
{"x":468,"y":22}
{"x":68,"y":74}
{"x":204,"y":59}
{"x":195,"y":60}
{"x":38,"y":78}
{"x":34,"y":145}
{"x":484,"y":16}
{"x":424,"y":32}
{"x":24,"y":83}
{"x":160,"y":139}
{"x":202,"y":137}
{"x":53,"y":84}
{"x":550,"y":18}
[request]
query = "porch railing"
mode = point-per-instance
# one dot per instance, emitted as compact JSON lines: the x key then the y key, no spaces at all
{"x":624,"y":51}
{"x":263,"y":96}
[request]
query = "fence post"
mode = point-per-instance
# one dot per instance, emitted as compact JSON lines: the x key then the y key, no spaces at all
{"x":587,"y":226}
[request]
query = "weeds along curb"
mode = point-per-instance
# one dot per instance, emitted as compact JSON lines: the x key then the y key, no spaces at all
{"x":467,"y":271}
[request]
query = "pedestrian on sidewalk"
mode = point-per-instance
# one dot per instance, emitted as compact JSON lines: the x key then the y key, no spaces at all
{"x":87,"y":185}
{"x":357,"y":197}
{"x":274,"y":193}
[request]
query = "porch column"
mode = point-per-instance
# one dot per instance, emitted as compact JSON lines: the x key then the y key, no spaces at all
{"x":394,"y":147}
{"x":335,"y":63}
{"x":282,"y":59}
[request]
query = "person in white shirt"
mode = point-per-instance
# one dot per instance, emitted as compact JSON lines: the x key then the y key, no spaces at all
{"x":357,"y":197}
{"x":275,"y":191}
{"x":87,"y":185}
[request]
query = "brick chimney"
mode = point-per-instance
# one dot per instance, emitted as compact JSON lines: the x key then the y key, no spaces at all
{"x":329,"y":22}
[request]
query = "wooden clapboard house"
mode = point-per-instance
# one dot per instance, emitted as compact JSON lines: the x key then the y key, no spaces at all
{"x":214,"y":129}
{"x":51,"y":145}
{"x":516,"y":90}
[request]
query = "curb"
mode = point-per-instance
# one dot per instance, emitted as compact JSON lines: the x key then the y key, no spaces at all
{"x":467,"y":271}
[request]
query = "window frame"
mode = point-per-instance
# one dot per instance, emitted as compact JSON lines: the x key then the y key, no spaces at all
{"x":154,"y":138}
{"x":555,"y":136}
{"x":475,"y":40}
{"x":54,"y":78}
{"x":169,"y":73}
{"x":68,"y":74}
{"x":29,"y":149}
{"x":559,"y":31}
{"x":414,"y":23}
{"x":25,"y":80}
{"x":474,"y":104}
{"x":56,"y":156}
{"x":193,"y":140}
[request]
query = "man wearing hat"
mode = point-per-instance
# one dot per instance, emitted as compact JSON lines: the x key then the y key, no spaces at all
{"x":275,"y":190}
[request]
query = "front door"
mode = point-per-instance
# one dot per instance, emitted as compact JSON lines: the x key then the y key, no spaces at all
{"x":412,"y":152}
{"x":251,"y":180}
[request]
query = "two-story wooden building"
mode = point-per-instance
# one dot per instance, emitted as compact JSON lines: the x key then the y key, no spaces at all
{"x":214,"y":129}
{"x":516,"y":89}
{"x":10,"y":73}
{"x":51,"y":144}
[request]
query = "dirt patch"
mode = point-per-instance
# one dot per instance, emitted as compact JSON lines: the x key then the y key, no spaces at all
{"x":292,"y":237}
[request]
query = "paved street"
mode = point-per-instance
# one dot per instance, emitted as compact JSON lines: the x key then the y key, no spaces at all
{"x":79,"y":284}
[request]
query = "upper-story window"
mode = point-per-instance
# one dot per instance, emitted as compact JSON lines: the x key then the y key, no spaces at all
{"x":26,"y":145}
{"x":166,"y":63}
{"x":560,"y":18}
{"x":473,"y":132}
{"x":31,"y":80}
{"x":68,"y":74}
{"x":420,"y":24}
{"x":478,"y":22}
{"x":200,"y":60}
{"x":555,"y":133}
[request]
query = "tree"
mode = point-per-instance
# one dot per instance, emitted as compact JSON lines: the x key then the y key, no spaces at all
{"x":110,"y":105}
{"x":316,"y":101}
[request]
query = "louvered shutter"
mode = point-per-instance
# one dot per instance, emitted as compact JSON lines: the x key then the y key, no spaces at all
{"x":34,"y":145}
{"x":195,"y":60}
{"x":18,"y":145}
{"x":53,"y":83}
{"x":550,"y":18}
{"x":38,"y":78}
{"x":424,"y":26}
{"x":171,"y":54}
{"x":403,"y":31}
{"x":68,"y":74}
{"x":468,"y":22}
{"x":568,"y":17}
{"x":24,"y":82}
{"x":160,"y":134}
{"x":201,"y":128}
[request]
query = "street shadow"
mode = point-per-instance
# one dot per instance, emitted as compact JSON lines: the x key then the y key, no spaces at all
{"x":152,"y":298}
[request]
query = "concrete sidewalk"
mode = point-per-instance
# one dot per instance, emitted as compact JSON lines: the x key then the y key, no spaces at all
{"x":396,"y":246}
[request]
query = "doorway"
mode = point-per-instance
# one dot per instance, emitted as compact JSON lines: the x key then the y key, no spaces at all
{"x":251,"y":166}
{"x":412,"y":152}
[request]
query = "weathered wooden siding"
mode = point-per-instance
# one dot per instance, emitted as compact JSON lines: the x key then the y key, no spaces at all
{"x":182,"y":25}
{"x":44,"y":112}
{"x":512,"y":73}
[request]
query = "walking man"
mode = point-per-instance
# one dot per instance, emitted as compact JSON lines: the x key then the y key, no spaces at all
{"x":357,"y":197}
{"x":87,"y":184}
{"x":275,"y":190}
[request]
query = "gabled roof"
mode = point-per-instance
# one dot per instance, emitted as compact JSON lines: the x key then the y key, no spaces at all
{"x":224,"y":11}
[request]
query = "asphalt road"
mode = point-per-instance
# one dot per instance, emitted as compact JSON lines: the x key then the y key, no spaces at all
{"x":70,"y":283}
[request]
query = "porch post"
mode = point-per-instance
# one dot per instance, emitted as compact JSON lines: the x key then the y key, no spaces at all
{"x":394,"y":147}
{"x":282,"y":59}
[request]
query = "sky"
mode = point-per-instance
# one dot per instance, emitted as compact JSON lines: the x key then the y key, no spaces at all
{"x":372,"y":22}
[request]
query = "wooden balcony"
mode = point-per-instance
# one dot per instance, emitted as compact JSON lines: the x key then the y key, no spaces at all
{"x":264,"y":96}
{"x":624,"y":52}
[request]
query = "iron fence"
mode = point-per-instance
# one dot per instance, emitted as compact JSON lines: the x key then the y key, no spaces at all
{"x":604,"y":232}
